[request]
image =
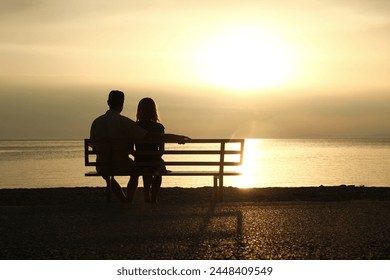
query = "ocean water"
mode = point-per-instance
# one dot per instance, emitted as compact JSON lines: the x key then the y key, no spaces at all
{"x":267,"y":163}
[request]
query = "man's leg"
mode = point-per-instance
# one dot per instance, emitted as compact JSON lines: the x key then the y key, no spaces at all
{"x":131,"y":188}
{"x":116,"y":188}
{"x":147,"y":184}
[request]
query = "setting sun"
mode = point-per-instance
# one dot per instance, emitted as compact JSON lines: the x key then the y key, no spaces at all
{"x":245,"y":59}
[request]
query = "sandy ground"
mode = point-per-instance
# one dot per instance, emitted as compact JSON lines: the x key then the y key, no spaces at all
{"x":271,"y":223}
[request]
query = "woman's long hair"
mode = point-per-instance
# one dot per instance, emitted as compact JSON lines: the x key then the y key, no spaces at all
{"x":147,"y":110}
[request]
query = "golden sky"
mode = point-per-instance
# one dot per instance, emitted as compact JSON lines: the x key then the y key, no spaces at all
{"x":249,"y":68}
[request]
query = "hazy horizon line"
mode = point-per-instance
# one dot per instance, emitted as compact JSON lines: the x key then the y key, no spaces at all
{"x":319,"y":137}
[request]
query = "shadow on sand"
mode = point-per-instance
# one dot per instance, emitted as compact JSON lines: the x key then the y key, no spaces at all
{"x":50,"y":225}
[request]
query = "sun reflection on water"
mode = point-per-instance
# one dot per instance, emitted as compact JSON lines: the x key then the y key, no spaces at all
{"x":250,"y":167}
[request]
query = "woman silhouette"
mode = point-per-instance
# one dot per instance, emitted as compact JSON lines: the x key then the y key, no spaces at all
{"x":148,"y":118}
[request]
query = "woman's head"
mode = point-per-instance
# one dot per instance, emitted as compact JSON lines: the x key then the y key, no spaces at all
{"x":147,"y":110}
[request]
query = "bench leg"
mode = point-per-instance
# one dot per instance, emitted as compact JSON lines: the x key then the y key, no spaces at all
{"x":108,"y":189}
{"x":218,"y":188}
{"x":215,"y":185}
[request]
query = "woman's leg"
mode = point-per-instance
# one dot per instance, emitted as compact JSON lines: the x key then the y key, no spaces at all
{"x":156,"y":185}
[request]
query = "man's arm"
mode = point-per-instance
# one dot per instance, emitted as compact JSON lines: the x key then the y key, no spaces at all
{"x":166,"y":137}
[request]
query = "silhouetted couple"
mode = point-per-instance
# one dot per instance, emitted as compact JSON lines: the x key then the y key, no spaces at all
{"x":114,"y":126}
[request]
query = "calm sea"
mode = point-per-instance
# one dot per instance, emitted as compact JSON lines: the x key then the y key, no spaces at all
{"x":267,"y":163}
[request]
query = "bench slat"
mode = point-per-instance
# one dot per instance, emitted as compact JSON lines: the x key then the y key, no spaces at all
{"x":135,"y":141}
{"x":174,"y":173}
{"x":189,"y":152}
{"x":177,"y":163}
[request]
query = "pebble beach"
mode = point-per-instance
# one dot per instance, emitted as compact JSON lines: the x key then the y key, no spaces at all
{"x":308,"y":223}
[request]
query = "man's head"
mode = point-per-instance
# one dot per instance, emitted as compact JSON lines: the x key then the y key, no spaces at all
{"x":115,"y":100}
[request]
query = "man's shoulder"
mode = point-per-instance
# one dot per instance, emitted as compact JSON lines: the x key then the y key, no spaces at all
{"x":112,"y":115}
{"x":106,"y":115}
{"x":124,"y":118}
{"x":99,"y":118}
{"x":125,"y":121}
{"x":113,"y":124}
{"x":113,"y":118}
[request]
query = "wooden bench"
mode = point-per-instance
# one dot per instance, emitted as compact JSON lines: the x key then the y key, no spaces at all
{"x":197,"y":157}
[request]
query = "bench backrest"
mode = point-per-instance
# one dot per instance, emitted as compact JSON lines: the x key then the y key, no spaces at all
{"x":196,"y":155}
